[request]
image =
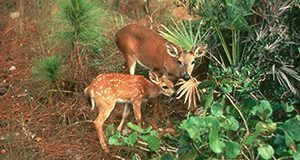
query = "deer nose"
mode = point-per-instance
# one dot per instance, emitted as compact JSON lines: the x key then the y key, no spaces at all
{"x":186,"y":77}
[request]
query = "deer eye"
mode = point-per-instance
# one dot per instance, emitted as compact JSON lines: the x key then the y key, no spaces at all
{"x":165,"y":87}
{"x":193,"y":62}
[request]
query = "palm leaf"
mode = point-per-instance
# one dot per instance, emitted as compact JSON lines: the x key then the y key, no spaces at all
{"x":282,"y":75}
{"x":189,"y":89}
{"x":183,"y":35}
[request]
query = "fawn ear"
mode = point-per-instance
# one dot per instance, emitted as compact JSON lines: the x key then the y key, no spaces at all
{"x":172,"y":50}
{"x":200,"y":50}
{"x":153,"y":77}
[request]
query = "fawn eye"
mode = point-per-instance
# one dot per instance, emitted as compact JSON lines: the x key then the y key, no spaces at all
{"x":193,"y":62}
{"x":165,"y":87}
{"x":179,"y":62}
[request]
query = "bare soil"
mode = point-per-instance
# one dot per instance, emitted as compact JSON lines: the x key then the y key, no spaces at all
{"x":31,"y":128}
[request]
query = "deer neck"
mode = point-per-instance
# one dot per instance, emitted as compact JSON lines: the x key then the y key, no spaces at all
{"x":171,"y":67}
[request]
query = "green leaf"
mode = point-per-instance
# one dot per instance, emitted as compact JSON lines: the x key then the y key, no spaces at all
{"x":287,"y":108}
{"x":288,"y":140}
{"x":135,"y":127}
{"x":153,"y":133}
{"x":167,"y":156}
{"x":109,"y":130}
{"x":232,"y":149}
{"x":263,"y":110}
{"x":266,"y":127}
{"x":114,"y":140}
{"x":230,"y":123}
{"x":153,"y":143}
{"x":252,"y":137}
{"x":259,"y":128}
{"x":216,"y":109}
{"x":132,"y":139}
{"x":194,"y":126}
{"x":249,"y":102}
{"x":266,"y":151}
{"x":207,"y":84}
{"x":227,"y":88}
{"x":148,"y":130}
{"x":291,"y":128}
{"x":217,"y":146}
{"x":296,"y":155}
{"x":135,"y":157}
{"x":209,"y":99}
{"x":214,"y":143}
{"x":189,"y":155}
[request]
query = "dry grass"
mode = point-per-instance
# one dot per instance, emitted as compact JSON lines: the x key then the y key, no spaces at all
{"x":29,"y":128}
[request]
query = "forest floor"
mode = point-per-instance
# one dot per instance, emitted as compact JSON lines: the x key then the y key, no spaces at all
{"x":31,"y":130}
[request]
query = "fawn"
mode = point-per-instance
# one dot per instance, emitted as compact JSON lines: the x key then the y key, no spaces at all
{"x":108,"y":89}
{"x":139,"y":44}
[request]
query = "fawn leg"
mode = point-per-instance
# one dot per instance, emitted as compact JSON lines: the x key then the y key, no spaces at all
{"x":125,"y":115}
{"x":137,"y":112}
{"x":104,"y":112}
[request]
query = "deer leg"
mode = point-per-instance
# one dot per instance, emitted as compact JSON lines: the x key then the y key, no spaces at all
{"x":104,"y":112}
{"x":125,"y":115}
{"x":137,"y":112}
{"x":131,"y":64}
{"x":146,"y":6}
{"x":132,"y":68}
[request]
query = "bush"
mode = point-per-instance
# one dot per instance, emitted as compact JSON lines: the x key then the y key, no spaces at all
{"x":249,"y":103}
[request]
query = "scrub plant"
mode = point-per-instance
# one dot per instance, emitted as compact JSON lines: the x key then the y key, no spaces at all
{"x":47,"y":72}
{"x":249,"y":104}
{"x":79,"y":24}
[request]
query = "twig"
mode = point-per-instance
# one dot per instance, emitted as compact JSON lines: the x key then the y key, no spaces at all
{"x":118,"y":157}
{"x":169,"y":149}
{"x":142,"y":148}
{"x":63,"y":91}
{"x":214,"y":58}
{"x":86,"y":121}
{"x":245,"y":156}
{"x":286,"y":157}
{"x":247,"y":149}
{"x":241,"y":114}
{"x":9,"y":86}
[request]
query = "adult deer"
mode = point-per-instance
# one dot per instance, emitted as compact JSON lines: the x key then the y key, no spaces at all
{"x":108,"y":89}
{"x":139,"y":44}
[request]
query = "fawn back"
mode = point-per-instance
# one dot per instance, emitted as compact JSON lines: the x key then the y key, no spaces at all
{"x":108,"y":89}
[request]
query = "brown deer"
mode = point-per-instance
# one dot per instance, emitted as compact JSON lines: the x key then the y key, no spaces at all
{"x":139,"y":44}
{"x":108,"y":89}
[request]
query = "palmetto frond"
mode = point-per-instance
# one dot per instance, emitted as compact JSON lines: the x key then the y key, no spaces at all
{"x":183,"y":35}
{"x":189,"y":89}
{"x":282,"y":75}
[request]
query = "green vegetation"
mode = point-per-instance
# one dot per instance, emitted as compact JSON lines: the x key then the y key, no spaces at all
{"x":253,"y":80}
{"x":80,"y":23}
{"x":249,"y":103}
{"x":183,"y":35}
{"x":48,"y":70}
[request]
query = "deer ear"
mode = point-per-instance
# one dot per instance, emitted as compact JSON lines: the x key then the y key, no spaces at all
{"x":200,"y":50}
{"x":153,"y":77}
{"x":172,"y":50}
